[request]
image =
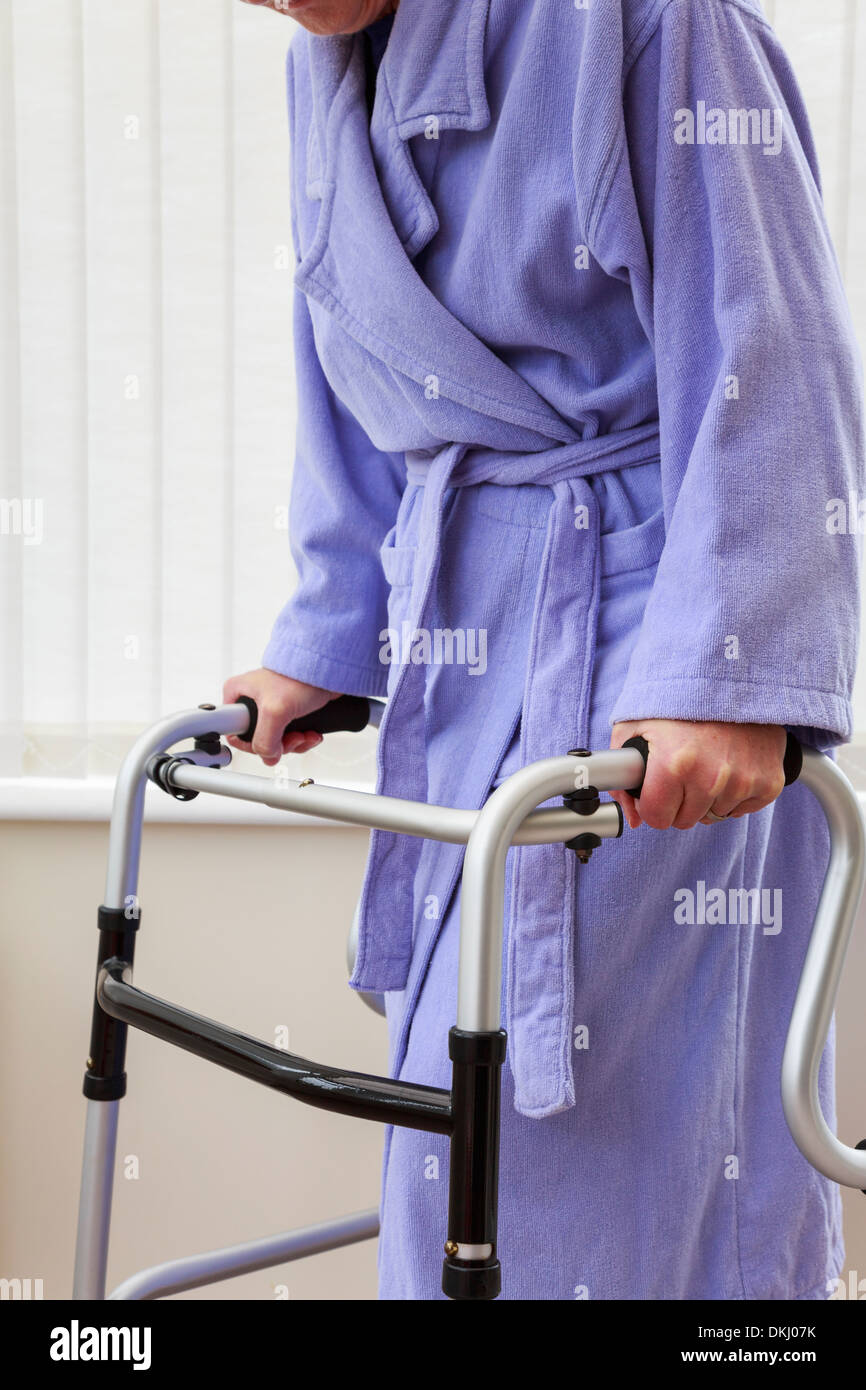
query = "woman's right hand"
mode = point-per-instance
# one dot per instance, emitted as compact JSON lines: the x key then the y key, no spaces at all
{"x":279,"y":699}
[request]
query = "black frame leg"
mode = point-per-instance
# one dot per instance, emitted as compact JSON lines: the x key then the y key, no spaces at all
{"x":471,"y":1269}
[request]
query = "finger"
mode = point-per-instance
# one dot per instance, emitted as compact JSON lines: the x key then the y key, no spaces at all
{"x":310,"y":742}
{"x":233,"y":687}
{"x":750,"y":806}
{"x":731,"y":788}
{"x":661,"y":797}
{"x":716,"y":819}
{"x":301,"y":741}
{"x":629,"y":809}
{"x":697,"y":801}
{"x":743,"y":796}
{"x":719,"y":795}
{"x":745,"y":806}
{"x":268,"y":737}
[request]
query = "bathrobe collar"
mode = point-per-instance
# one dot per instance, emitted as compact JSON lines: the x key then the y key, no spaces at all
{"x":445,"y":77}
{"x":432,"y":67}
{"x":431,"y":78}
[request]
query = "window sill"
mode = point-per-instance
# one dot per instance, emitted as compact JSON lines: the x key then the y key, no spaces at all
{"x":90,"y":799}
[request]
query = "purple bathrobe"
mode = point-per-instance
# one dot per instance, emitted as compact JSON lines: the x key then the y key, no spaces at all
{"x":580,"y":440}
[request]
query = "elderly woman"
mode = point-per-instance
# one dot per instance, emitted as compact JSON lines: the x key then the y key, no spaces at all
{"x":577,"y":383}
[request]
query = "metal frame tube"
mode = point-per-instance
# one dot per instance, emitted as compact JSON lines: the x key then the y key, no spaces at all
{"x":196,"y":1271}
{"x":482,"y":901}
{"x":415,"y":818}
{"x":124,"y":844}
{"x":819,"y":979}
{"x":124,"y":849}
{"x":94,"y":1207}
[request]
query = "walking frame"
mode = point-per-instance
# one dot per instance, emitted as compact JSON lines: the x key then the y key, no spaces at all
{"x":469,"y":1112}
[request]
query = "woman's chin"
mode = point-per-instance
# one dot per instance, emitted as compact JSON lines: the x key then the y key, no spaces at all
{"x":326,"y":17}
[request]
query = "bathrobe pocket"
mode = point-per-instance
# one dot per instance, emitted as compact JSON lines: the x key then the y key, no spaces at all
{"x":398,"y":561}
{"x":636,"y":548}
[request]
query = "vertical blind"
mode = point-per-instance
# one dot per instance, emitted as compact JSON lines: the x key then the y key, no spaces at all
{"x":146,"y":382}
{"x":148,"y":408}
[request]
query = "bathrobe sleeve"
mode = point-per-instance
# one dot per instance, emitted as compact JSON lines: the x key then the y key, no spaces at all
{"x":754,"y":611}
{"x":344,"y":499}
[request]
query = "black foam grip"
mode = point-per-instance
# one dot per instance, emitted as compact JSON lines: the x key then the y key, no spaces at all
{"x":792,"y":764}
{"x":640,"y":743}
{"x":348,"y":713}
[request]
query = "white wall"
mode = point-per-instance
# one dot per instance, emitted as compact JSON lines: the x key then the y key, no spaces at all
{"x":247,"y":926}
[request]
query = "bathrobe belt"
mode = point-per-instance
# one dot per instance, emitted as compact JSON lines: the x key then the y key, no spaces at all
{"x":555,"y":718}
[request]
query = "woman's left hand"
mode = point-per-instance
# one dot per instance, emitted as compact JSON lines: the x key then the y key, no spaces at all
{"x":695,"y":769}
